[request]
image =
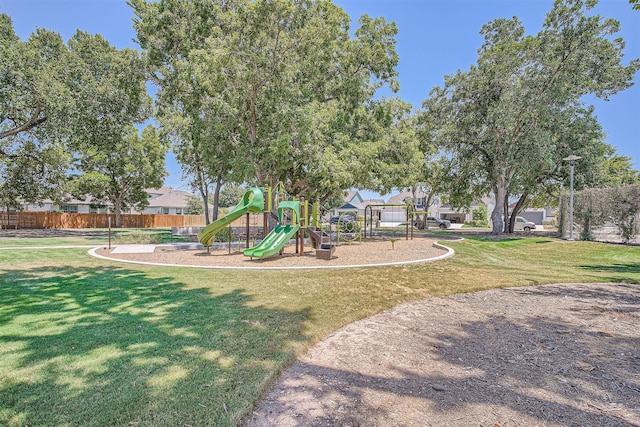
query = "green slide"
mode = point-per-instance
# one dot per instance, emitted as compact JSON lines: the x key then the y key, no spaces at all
{"x":252,"y":201}
{"x":274,"y":242}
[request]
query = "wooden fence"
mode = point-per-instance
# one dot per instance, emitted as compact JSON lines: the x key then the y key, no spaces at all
{"x":41,"y":219}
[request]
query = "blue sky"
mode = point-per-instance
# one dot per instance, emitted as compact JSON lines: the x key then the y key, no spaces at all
{"x":435,"y":38}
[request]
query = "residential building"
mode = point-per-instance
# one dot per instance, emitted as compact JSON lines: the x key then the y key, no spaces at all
{"x":68,"y":205}
{"x":163,"y":200}
{"x":168,"y":201}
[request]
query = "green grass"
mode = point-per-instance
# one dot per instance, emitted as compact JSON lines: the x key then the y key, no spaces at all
{"x":90,"y":342}
{"x":95,"y":237}
{"x":472,"y":225}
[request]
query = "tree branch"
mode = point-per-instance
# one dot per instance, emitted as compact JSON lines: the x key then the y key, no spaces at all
{"x":30,"y":124}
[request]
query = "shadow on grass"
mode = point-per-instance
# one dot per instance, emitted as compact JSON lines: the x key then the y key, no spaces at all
{"x":625,"y":269}
{"x":489,"y":238}
{"x":113,"y":346}
{"x":570,"y":366}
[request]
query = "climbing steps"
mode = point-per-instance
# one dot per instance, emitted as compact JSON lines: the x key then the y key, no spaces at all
{"x":321,"y":242}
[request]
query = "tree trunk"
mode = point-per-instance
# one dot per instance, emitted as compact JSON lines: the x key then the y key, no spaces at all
{"x":516,"y":209}
{"x":427,"y":202}
{"x":216,"y":198}
{"x":497,"y":221}
{"x":505,"y":217}
{"x":117,"y":209}
{"x":200,"y":183}
{"x":204,"y":194}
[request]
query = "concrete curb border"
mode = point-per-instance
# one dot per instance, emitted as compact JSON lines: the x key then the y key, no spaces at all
{"x":450,"y":253}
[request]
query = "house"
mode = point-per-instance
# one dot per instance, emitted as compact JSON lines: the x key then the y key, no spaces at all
{"x":396,"y":213}
{"x":419,"y":199}
{"x":393,"y":212}
{"x":68,"y":205}
{"x":163,"y":200}
{"x":435,"y":208}
{"x":353,"y":201}
{"x":168,"y":201}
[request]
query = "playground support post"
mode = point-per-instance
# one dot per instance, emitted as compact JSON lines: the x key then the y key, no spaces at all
{"x":406,"y":224}
{"x":304,"y":209}
{"x":368,"y":209}
{"x":247,"y":231}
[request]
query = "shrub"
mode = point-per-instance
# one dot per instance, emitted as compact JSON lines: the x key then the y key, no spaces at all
{"x":223,"y":235}
{"x":618,"y":205}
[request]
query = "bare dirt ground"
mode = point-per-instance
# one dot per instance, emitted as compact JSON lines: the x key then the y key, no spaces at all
{"x":554,"y":355}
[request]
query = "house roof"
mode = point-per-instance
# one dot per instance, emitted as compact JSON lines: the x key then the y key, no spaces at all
{"x":400,"y":197}
{"x":163,"y":197}
{"x":352,"y":195}
{"x":67,"y":199}
{"x":351,"y":205}
{"x":155,"y":192}
{"x":167,"y":197}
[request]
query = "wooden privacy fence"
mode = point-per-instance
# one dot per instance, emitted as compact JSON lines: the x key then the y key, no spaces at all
{"x":32,"y":219}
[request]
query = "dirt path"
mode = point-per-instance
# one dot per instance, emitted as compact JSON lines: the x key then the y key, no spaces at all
{"x":555,"y":355}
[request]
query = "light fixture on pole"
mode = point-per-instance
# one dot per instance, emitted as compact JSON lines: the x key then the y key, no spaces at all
{"x":571,"y":159}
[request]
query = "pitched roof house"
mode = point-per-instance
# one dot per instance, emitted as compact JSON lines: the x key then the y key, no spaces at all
{"x":166,"y":200}
{"x":163,"y":200}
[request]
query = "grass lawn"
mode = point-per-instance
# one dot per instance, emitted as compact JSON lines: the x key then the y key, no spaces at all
{"x":92,"y":237}
{"x":88,"y":342}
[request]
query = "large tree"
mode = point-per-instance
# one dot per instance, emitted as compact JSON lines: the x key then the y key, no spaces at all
{"x":268,"y":91}
{"x":115,"y":161}
{"x":120,"y":174}
{"x":35,"y":102}
{"x":58,"y":100}
{"x":511,"y":119}
{"x":618,"y":170}
{"x":35,"y":96}
{"x":111,"y":92}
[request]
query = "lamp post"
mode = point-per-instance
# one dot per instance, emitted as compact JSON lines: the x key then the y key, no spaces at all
{"x":571,"y":159}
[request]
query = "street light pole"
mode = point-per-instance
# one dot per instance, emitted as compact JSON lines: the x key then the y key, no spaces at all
{"x":571,"y":159}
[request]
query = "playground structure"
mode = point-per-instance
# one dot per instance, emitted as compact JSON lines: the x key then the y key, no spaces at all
{"x":293,"y":218}
{"x":415,"y":216}
{"x":369,"y":218}
{"x":412,"y":218}
{"x":296,"y":218}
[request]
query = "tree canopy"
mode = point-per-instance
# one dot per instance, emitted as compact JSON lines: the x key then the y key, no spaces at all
{"x":510,"y":120}
{"x":261,"y":91}
{"x":119,"y":174}
{"x":59,"y":101}
{"x":35,"y":102}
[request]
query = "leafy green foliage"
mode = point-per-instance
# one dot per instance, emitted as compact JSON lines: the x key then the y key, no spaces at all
{"x":262,"y":92}
{"x":32,"y":173}
{"x":118,"y":174}
{"x":59,"y":100}
{"x":36,"y":97}
{"x":230,"y":195}
{"x":195,"y":206}
{"x":509,"y":121}
{"x":618,"y":170}
{"x":35,"y":104}
{"x":619,"y":205}
{"x":110,"y":88}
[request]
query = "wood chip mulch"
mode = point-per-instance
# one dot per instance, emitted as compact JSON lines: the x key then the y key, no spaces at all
{"x":554,"y":355}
